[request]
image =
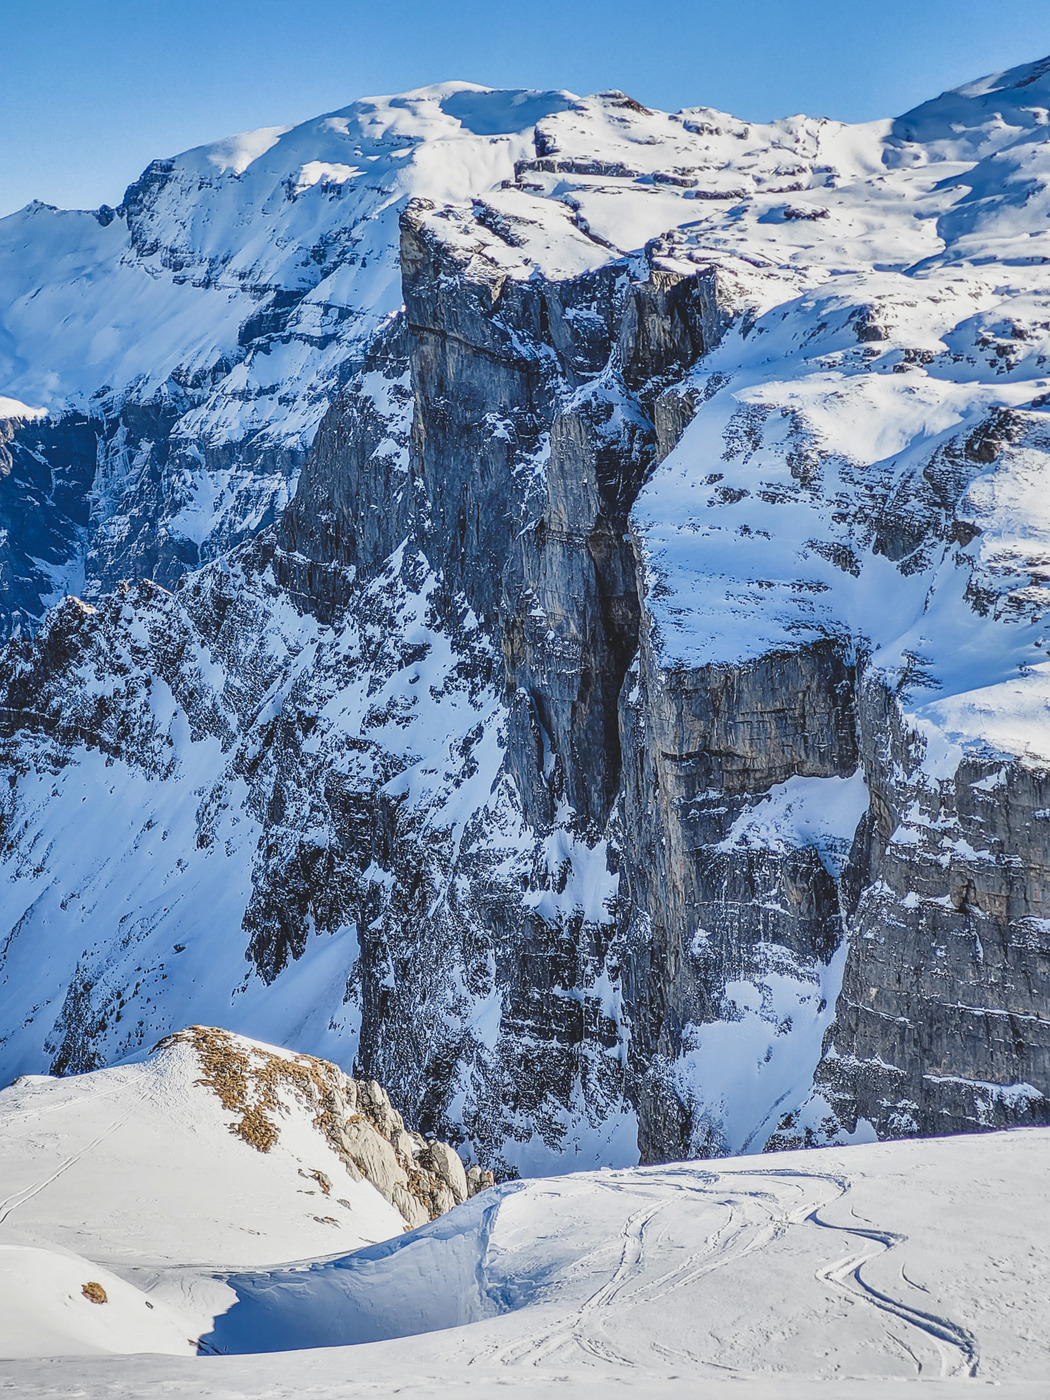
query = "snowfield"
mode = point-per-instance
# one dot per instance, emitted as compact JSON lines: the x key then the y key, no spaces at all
{"x":862,"y":1267}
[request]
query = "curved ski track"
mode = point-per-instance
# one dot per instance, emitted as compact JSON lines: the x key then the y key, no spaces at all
{"x":959,"y":1351}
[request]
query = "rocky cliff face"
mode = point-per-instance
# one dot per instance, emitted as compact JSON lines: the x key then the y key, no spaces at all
{"x":711,"y":909}
{"x":942,"y":1021}
{"x":632,"y":736}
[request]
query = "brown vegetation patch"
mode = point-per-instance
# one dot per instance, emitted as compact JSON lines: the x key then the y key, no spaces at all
{"x":247,"y":1081}
{"x":95,"y":1293}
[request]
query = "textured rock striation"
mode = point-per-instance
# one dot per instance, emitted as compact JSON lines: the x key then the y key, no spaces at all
{"x":632,"y":736}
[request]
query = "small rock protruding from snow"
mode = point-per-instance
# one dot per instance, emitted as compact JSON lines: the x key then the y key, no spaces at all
{"x":478,"y":1179}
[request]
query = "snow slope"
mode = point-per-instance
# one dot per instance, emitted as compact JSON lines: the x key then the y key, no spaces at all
{"x":153,"y":1179}
{"x":863,"y":1268}
{"x":57,"y":1303}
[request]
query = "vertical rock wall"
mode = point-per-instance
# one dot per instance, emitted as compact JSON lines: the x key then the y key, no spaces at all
{"x":942,"y":1023}
{"x":589,"y":886}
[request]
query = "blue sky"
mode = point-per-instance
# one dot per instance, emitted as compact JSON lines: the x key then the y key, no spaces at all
{"x":94,"y":89}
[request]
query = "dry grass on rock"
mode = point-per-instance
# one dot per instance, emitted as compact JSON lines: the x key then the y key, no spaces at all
{"x":356,"y":1118}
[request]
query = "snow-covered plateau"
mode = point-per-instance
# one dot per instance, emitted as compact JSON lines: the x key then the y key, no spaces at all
{"x":543,"y":604}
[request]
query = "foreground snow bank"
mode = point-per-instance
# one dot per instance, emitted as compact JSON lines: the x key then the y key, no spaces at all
{"x":898,"y":1259}
{"x":217,"y":1152}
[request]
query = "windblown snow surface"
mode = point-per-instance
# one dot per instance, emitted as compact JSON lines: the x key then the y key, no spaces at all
{"x":860,"y":1267}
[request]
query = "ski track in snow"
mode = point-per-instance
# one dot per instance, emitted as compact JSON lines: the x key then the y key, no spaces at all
{"x":875,"y":1267}
{"x":958,"y":1350}
{"x":753,"y":1220}
{"x":541,"y":1346}
{"x":19,"y":1198}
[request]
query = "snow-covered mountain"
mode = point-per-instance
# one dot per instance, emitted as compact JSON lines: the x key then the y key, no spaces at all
{"x":633,"y":732}
{"x":191,"y":340}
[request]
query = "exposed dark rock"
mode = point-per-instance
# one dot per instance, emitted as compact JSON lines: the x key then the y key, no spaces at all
{"x":46,"y":469}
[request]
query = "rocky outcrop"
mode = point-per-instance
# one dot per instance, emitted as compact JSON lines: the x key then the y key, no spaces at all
{"x":358,"y":500}
{"x":533,"y":434}
{"x":941,"y":1024}
{"x":422,"y":1179}
{"x":533,"y":441}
